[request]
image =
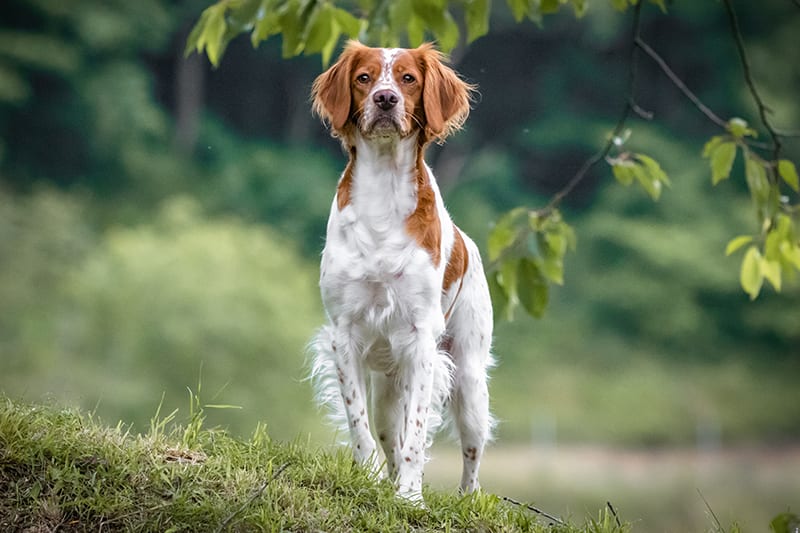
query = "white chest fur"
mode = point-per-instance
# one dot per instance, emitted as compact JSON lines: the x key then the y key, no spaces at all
{"x":373,"y":271}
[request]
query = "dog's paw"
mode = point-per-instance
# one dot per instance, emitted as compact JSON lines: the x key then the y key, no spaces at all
{"x":411,"y":496}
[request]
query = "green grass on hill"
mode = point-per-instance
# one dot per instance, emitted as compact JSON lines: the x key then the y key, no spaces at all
{"x":63,"y":470}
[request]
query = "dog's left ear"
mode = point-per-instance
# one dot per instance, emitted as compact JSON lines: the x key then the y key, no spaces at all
{"x":445,"y":96}
{"x":331,"y":91}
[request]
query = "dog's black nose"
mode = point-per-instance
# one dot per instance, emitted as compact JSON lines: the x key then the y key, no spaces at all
{"x":385,"y":99}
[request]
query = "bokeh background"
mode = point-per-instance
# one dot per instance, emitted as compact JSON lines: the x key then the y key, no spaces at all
{"x":161,"y":223}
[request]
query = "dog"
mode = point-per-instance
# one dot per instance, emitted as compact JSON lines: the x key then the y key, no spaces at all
{"x":408,"y":338}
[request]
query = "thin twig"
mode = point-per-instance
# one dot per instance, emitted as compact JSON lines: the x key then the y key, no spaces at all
{"x":710,"y":510}
{"x":614,"y":514}
{"x":550,"y":517}
{"x":629,"y":106}
{"x":252,"y":497}
{"x":762,"y":108}
{"x":679,"y":83}
{"x":682,"y":87}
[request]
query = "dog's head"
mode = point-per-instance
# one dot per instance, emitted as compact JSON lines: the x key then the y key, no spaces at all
{"x":391,"y":92}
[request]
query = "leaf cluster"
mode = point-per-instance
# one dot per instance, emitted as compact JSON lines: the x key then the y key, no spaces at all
{"x":316,"y":26}
{"x":526,"y":254}
{"x":308,"y":27}
{"x":773,"y":253}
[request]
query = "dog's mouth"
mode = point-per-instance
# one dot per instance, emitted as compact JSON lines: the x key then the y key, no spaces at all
{"x":385,"y":125}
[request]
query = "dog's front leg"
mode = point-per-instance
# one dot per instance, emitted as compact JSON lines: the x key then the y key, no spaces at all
{"x":415,"y":378}
{"x":352,"y":384}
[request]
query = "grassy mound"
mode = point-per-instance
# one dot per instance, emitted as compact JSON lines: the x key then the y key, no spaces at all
{"x":63,"y":470}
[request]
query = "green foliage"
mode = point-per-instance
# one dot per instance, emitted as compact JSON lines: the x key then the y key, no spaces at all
{"x":526,"y":253}
{"x":59,"y":467}
{"x":42,"y":236}
{"x":643,"y":169}
{"x":318,"y":25}
{"x":160,"y":300}
{"x":776,"y":252}
{"x":204,"y":293}
{"x":306,"y":27}
{"x":785,"y":523}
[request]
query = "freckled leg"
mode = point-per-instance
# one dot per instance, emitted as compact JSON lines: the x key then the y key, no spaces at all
{"x":470,"y":405}
{"x":387,"y":416}
{"x":415,"y":379}
{"x":352,"y":383}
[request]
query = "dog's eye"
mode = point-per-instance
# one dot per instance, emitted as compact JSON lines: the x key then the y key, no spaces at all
{"x":408,"y":78}
{"x":362,"y":78}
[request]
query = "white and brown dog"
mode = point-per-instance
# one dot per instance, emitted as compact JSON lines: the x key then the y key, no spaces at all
{"x":410,"y":318}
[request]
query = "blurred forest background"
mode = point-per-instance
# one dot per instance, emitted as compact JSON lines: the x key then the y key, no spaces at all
{"x":160,"y":226}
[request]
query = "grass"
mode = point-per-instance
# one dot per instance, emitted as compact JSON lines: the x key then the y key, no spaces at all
{"x":64,"y":470}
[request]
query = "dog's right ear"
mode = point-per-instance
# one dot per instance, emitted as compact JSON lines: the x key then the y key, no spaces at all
{"x":331,"y":91}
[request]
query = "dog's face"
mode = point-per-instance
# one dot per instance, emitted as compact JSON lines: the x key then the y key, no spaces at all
{"x":391,"y":92}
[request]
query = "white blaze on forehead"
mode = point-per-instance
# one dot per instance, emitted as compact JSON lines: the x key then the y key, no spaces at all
{"x":389,"y":56}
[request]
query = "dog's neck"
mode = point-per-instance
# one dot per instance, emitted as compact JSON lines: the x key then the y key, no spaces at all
{"x":384,"y":174}
{"x":391,"y":156}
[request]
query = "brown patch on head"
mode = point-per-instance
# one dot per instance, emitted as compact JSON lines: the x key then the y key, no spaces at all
{"x":336,"y":96}
{"x":445,"y":96}
{"x":407,"y":72}
{"x":423,"y":223}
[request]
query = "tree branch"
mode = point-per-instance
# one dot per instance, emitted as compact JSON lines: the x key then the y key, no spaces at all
{"x":630,"y":105}
{"x":550,"y":517}
{"x":679,"y":83}
{"x":762,"y":108}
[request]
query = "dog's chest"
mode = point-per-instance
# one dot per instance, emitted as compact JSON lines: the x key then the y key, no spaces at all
{"x":371,"y":266}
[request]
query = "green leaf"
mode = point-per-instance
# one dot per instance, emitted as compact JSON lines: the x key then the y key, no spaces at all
{"x":266,"y":25}
{"x":737,"y":243}
{"x":506,"y":231}
{"x":476,"y":16}
{"x":547,"y":7}
{"x":788,"y":172}
{"x":292,"y":27}
{"x":508,"y":280}
{"x":751,"y":277}
{"x":739,"y":128}
{"x":790,"y":254}
{"x":712,"y":143}
{"x":319,"y":29}
{"x":532,"y":288}
{"x":660,"y":4}
{"x":757,"y":181}
{"x":772,"y":244}
{"x":499,"y":296}
{"x":330,"y":46}
{"x":348,"y":23}
{"x":654,"y":168}
{"x":519,"y":9}
{"x":213,"y":34}
{"x":785,"y":523}
{"x":648,"y":182}
{"x":722,"y":157}
{"x":579,"y":7}
{"x":623,"y":172}
{"x":416,"y":31}
{"x":620,"y":5}
{"x":772,"y":272}
{"x":552,"y":264}
{"x":448,"y":37}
